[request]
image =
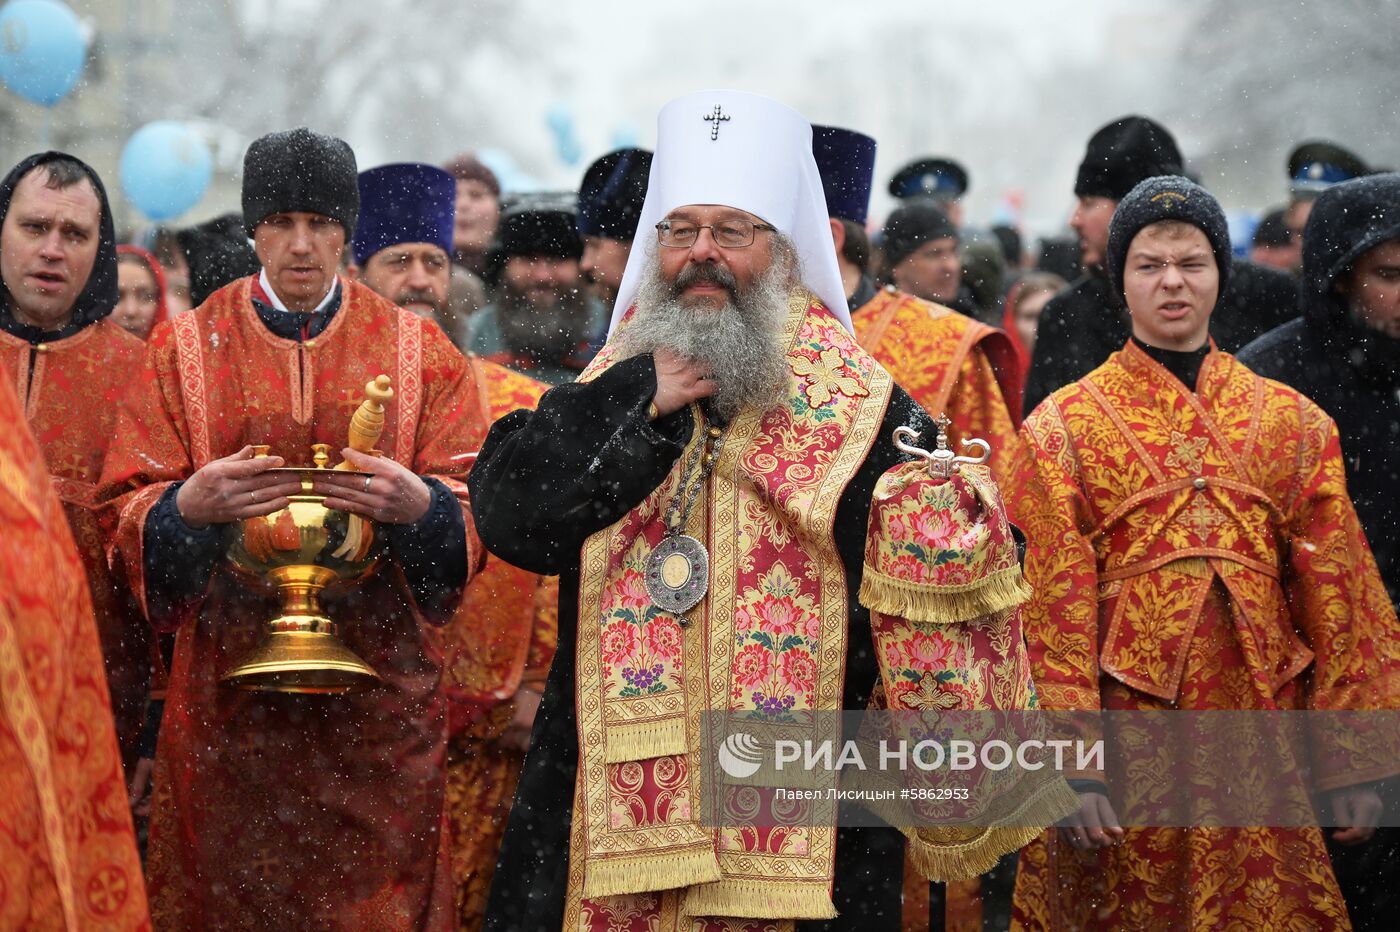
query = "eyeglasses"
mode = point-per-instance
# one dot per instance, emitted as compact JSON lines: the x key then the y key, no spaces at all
{"x":728,"y":234}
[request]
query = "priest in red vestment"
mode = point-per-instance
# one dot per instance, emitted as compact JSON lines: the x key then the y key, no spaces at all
{"x":276,"y":810}
{"x":71,"y":365}
{"x":67,"y":854}
{"x":500,"y":641}
{"x":1192,"y":547}
{"x":949,"y":363}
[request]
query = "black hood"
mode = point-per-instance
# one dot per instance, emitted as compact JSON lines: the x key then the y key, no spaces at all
{"x":1347,"y":221}
{"x":218,"y":253}
{"x":100,"y":296}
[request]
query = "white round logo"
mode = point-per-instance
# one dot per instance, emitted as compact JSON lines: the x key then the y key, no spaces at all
{"x":740,"y":755}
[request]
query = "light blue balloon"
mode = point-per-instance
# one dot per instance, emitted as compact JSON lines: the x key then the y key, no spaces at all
{"x":560,"y":120}
{"x":165,"y":169}
{"x":625,"y":136}
{"x":42,"y":50}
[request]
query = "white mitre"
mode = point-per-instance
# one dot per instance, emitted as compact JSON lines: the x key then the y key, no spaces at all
{"x":744,"y":151}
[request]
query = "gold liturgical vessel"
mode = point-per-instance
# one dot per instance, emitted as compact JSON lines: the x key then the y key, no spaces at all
{"x":301,"y":551}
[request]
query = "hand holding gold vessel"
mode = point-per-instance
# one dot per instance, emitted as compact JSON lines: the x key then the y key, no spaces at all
{"x":326,"y":535}
{"x":233,"y":488}
{"x":393,"y":494}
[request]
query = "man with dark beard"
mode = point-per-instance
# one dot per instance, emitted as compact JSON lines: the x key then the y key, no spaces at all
{"x":542,"y":321}
{"x":402,"y":243}
{"x":703,"y":490}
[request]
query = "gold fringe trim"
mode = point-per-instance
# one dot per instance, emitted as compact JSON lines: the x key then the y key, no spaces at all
{"x":965,"y":860}
{"x":752,"y":898}
{"x":649,"y":871}
{"x":629,"y":741}
{"x":941,"y":605}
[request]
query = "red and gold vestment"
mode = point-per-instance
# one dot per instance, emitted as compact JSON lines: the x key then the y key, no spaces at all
{"x":1196,"y":551}
{"x":500,"y":640}
{"x":950,"y":364}
{"x":69,"y":391}
{"x":291,"y":811}
{"x":67,"y":853}
{"x":762,"y":652}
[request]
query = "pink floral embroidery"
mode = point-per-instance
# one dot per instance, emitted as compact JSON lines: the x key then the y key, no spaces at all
{"x":934,"y":526}
{"x":663,"y":638}
{"x":752,"y":665}
{"x":927,"y":652}
{"x":619,"y":642}
{"x":798,"y":671}
{"x":778,"y":616}
{"x":631,"y":591}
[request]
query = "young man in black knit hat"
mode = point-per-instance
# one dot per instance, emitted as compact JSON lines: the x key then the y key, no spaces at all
{"x":1086,"y":322}
{"x":1192,"y":548}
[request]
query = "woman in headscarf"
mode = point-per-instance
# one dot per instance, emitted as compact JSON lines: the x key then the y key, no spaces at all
{"x":1021,"y":313}
{"x":140,"y":291}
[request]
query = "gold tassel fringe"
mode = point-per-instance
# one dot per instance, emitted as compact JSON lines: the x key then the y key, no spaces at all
{"x":963,"y":861}
{"x":629,"y":741}
{"x":939,"y":605}
{"x":649,"y":871}
{"x":760,"y":899}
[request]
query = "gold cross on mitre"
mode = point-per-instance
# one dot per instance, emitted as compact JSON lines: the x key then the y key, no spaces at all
{"x":715,"y":119}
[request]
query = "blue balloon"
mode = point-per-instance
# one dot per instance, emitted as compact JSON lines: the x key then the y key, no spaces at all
{"x":560,"y":121}
{"x":165,"y":169}
{"x":42,"y":50}
{"x":625,"y":136}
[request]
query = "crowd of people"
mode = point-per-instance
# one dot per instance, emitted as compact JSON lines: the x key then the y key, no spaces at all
{"x":638,"y":467}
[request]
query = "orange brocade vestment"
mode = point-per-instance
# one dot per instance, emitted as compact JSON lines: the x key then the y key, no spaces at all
{"x":69,"y":391}
{"x":950,"y":364}
{"x":501,"y":639}
{"x":283,"y":811}
{"x":67,"y":853}
{"x":1195,"y":551}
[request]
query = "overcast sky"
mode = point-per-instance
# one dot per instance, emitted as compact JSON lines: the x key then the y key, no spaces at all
{"x":1011,"y":88}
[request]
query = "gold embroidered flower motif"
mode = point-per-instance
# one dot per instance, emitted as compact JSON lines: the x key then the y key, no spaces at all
{"x":1186,"y":452}
{"x":824,"y":378}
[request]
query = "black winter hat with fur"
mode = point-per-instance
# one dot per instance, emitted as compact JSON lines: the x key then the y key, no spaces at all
{"x":913,"y":224}
{"x":1123,"y":153}
{"x":298,"y":170}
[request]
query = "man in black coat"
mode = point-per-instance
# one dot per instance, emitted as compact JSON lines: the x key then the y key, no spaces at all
{"x":1085,"y":323}
{"x":1344,"y":353}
